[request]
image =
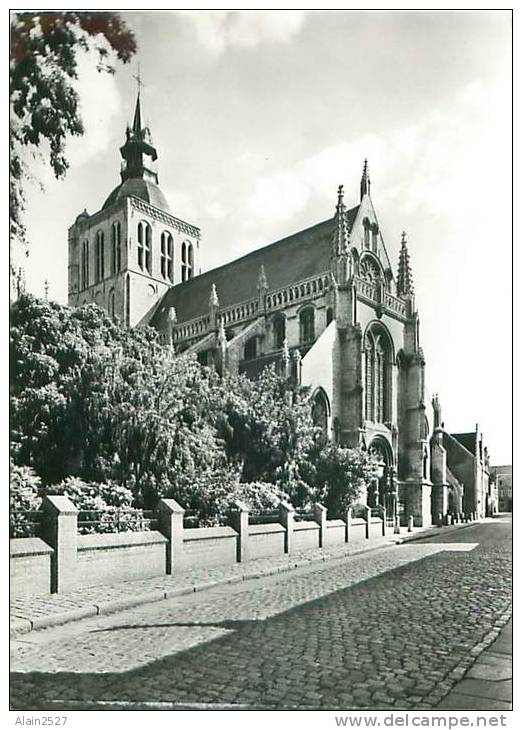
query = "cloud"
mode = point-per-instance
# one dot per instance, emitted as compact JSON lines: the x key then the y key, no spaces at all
{"x":415,"y":170}
{"x":218,"y":31}
{"x":100,"y":107}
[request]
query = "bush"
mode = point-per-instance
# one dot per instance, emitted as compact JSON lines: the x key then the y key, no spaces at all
{"x":24,"y":487}
{"x":104,"y":508}
{"x":258,"y":496}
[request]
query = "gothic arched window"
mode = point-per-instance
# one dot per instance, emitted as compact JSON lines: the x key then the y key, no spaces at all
{"x":85,"y":265}
{"x":307,"y":325}
{"x":99,"y":266}
{"x":115,"y":248}
{"x":375,"y":237}
{"x":190,"y":266}
{"x":321,"y":411}
{"x":369,"y":268}
{"x":145,"y":246}
{"x":187,"y":261}
{"x":377,"y":375}
{"x":366,"y":226}
{"x":279,"y":331}
{"x":167,"y":256}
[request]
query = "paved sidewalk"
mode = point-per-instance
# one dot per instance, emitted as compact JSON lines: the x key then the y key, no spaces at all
{"x":488,"y":684}
{"x":29,"y":613}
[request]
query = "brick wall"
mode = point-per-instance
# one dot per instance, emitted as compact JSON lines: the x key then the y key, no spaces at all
{"x":266,"y":540}
{"x":335,"y":532}
{"x":29,"y":567}
{"x":66,"y":561}
{"x":105,"y":559}
{"x":306,"y":536}
{"x":358,"y":529}
{"x":209,"y":546}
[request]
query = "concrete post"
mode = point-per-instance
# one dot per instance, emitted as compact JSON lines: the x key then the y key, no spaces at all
{"x":239,"y":521}
{"x":349,"y":516}
{"x":396,"y":525}
{"x":286,"y":515}
{"x":368,"y":521}
{"x":320,"y":511}
{"x":410,"y":523}
{"x":384,"y":521}
{"x":60,"y":530}
{"x":170,"y":523}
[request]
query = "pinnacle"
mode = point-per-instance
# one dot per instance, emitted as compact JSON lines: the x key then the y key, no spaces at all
{"x":404,"y":275}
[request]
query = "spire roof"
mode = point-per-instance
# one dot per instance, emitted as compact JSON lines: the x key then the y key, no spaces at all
{"x":404,"y":275}
{"x":340,"y":238}
{"x":365,"y":180}
{"x":138,"y":146}
{"x":136,"y":124}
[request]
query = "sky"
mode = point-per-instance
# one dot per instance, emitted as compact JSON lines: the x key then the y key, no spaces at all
{"x":259,"y":116}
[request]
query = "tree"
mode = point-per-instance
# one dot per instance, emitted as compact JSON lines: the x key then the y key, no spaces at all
{"x":44,"y":102}
{"x":93,"y":399}
{"x":341,"y":476}
{"x":268,"y":429}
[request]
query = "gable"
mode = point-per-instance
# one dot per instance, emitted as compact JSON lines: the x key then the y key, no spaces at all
{"x":367,"y":211}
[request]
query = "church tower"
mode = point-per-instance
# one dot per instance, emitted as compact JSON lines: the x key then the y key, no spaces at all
{"x":127,"y":255}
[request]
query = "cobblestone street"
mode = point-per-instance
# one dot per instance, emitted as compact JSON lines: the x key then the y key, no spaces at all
{"x":395,"y":628}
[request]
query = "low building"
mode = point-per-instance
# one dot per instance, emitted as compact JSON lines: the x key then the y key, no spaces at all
{"x":503,"y":478}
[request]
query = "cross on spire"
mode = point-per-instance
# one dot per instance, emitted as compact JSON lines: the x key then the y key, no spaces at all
{"x":138,"y":79}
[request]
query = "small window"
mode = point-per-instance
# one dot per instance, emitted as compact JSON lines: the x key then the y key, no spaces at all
{"x":375,"y":237}
{"x":366,"y":224}
{"x":279,"y":332}
{"x":112,"y":305}
{"x":329,"y":316}
{"x":251,"y":349}
{"x":307,"y":325}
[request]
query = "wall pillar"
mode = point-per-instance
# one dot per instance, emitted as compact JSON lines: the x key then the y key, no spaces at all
{"x":286,"y":515}
{"x":170,"y":523}
{"x":239,"y":521}
{"x":349,"y":516}
{"x":60,"y":531}
{"x":368,"y":522}
{"x":320,"y":517}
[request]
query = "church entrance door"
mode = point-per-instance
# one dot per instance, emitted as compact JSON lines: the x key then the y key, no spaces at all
{"x":384,"y":492}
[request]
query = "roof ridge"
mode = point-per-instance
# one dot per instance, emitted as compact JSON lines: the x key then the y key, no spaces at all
{"x":257,"y":251}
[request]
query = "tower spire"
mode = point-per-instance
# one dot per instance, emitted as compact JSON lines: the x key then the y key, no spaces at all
{"x":404,"y":275}
{"x":138,"y":145}
{"x":136,"y":124}
{"x":365,"y":180}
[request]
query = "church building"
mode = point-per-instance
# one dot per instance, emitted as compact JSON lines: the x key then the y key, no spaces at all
{"x":323,"y":305}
